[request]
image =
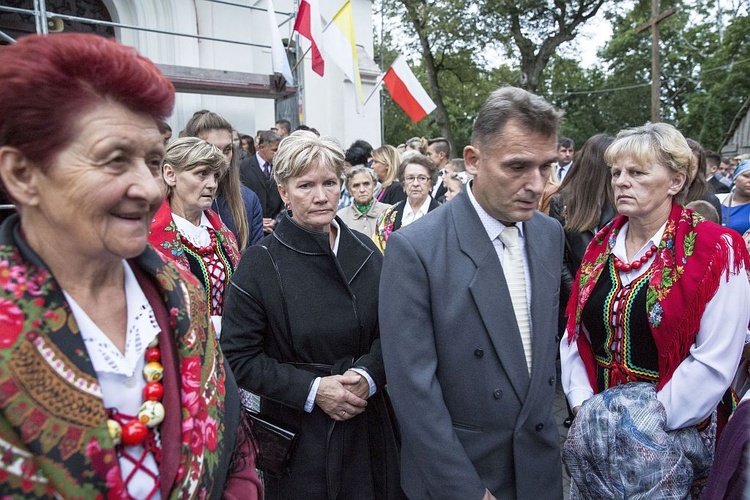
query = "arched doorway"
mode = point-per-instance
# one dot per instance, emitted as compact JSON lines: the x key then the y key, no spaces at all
{"x":16,"y":25}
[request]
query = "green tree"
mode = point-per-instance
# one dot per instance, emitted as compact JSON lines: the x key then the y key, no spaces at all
{"x":460,"y":43}
{"x":724,"y":86}
{"x":533,"y":30}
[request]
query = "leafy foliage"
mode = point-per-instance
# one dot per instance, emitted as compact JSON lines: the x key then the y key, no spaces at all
{"x":467,"y":49}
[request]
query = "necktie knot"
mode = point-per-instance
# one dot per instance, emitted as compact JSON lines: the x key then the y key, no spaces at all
{"x":509,"y":237}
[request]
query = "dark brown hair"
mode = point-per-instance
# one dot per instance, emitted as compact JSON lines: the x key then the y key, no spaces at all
{"x":587,"y":188}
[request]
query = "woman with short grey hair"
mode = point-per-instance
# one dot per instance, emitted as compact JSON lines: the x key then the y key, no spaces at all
{"x":185,"y":229}
{"x":301,"y":331}
{"x":364,"y":211}
{"x":301,"y":150}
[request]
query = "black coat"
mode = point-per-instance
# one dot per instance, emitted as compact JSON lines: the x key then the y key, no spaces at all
{"x":393,"y":194}
{"x":332,"y":307}
{"x":266,"y":189}
{"x":716,"y":186}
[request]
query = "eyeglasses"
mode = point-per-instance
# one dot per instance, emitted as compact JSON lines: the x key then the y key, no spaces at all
{"x":421,"y":178}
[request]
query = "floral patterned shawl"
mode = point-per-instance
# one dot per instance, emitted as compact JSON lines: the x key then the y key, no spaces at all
{"x":53,"y":424}
{"x":166,"y":238}
{"x":692,"y":258}
{"x":386,"y":224}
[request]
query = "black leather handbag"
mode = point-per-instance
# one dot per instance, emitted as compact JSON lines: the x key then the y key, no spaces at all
{"x":275,"y":444}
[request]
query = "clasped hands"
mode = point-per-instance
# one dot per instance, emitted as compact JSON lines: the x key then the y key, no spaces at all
{"x":343,"y":397}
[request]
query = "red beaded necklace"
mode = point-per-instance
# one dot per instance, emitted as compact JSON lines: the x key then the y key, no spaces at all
{"x":636,"y":264}
{"x":133,"y":431}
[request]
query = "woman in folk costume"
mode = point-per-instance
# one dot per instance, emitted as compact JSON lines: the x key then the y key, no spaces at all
{"x":662,"y":298}
{"x":185,"y":229}
{"x":112,"y":383}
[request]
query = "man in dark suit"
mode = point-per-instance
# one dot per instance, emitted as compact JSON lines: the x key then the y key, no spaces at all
{"x":715,"y":179}
{"x":439,"y":151}
{"x":256,"y":172}
{"x":565,"y":151}
{"x":468,"y":319}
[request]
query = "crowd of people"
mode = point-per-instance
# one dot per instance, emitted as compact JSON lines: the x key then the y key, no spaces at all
{"x":226,"y":316}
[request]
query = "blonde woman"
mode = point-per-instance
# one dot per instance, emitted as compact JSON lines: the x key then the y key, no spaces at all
{"x":185,"y":229}
{"x":385,"y":162}
{"x":301,"y":331}
{"x":661,"y":298}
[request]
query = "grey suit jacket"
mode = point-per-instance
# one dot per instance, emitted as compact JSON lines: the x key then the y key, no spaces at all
{"x":266,"y":189}
{"x":471,"y":417}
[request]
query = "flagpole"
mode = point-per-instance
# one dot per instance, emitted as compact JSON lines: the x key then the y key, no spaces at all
{"x":303,"y":55}
{"x":377,"y":87}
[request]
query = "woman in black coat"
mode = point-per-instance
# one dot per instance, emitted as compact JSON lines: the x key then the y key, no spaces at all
{"x":300,"y":330}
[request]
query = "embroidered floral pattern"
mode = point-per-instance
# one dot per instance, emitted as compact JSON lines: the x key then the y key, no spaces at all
{"x":654,"y":315}
{"x":76,"y":457}
{"x":384,"y":225}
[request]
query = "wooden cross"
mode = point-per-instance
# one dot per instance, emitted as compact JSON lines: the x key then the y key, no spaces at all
{"x":653,"y":23}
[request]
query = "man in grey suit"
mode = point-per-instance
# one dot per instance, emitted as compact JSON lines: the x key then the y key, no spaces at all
{"x":468,"y":323}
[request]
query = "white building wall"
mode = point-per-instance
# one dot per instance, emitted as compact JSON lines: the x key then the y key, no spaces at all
{"x":327,"y":103}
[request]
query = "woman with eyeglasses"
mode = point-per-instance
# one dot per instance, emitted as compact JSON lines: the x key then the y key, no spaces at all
{"x":417,"y":174}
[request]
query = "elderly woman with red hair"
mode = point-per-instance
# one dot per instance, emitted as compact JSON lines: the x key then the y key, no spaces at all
{"x":113,"y":384}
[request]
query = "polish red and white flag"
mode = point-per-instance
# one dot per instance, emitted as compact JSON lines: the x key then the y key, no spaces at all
{"x":406,"y":90}
{"x":309,"y":25}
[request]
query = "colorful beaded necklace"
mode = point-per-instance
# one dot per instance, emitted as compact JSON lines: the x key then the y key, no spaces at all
{"x":140,"y":430}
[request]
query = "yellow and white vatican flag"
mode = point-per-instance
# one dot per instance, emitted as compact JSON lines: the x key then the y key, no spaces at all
{"x":340,"y":47}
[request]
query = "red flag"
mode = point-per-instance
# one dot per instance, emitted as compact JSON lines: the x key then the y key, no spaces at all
{"x":406,"y":90}
{"x":308,"y":25}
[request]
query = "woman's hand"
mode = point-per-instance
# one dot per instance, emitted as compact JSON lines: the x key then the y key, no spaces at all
{"x":336,"y":400}
{"x":361,"y":388}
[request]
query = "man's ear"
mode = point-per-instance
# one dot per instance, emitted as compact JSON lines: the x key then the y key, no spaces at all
{"x":471,"y":159}
{"x":19,"y":176}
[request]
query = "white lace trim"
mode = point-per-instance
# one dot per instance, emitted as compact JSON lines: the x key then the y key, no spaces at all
{"x":197,"y":235}
{"x":141,"y":329}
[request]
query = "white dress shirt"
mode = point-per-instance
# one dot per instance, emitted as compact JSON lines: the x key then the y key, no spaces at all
{"x":562,"y":171}
{"x":261,"y":163}
{"x":699,"y":382}
{"x":494,"y":227}
{"x":120,"y":374}
{"x":439,"y":183}
{"x":410,"y":215}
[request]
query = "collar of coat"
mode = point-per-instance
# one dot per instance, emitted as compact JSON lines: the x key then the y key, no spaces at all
{"x":353,"y":252}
